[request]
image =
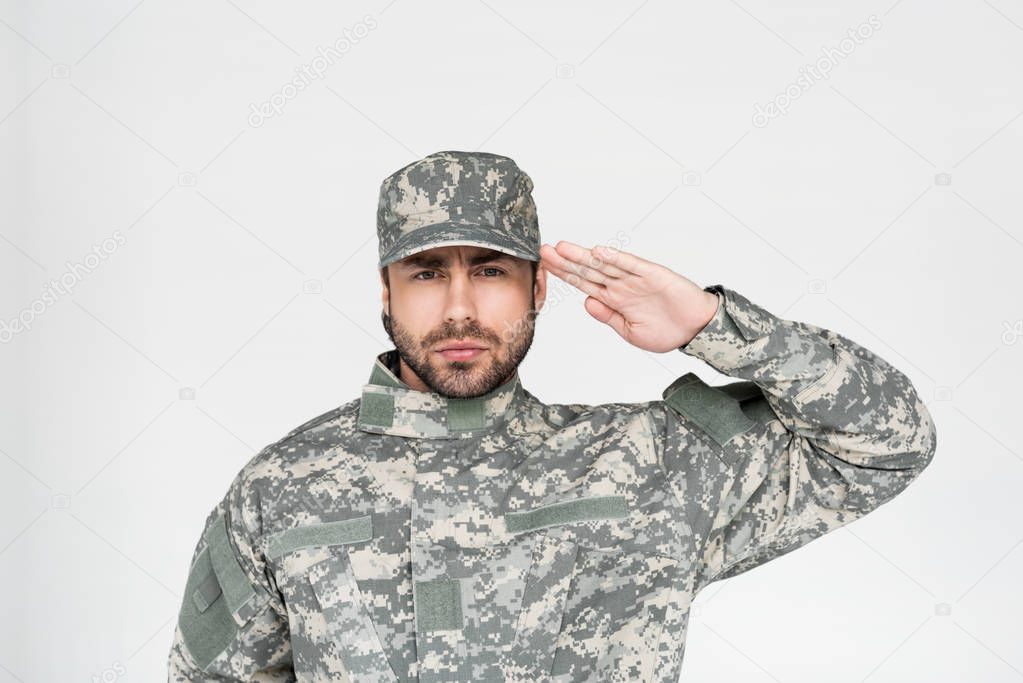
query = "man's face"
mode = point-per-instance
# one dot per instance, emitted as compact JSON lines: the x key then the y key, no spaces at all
{"x":457,"y":295}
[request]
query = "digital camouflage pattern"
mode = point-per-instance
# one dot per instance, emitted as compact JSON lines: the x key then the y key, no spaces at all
{"x":407,"y":537}
{"x":451,"y":197}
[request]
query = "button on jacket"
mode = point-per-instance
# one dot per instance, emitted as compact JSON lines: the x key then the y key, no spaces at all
{"x":404,"y":536}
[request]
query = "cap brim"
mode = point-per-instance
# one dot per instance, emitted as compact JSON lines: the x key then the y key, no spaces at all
{"x":451,"y":234}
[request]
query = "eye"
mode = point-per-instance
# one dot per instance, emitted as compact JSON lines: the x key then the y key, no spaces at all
{"x":499,"y":271}
{"x":423,"y":272}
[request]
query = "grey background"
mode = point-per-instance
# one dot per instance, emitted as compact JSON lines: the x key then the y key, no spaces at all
{"x":243,"y":301}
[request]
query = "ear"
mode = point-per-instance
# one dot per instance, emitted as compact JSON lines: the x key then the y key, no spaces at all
{"x":385,"y":293}
{"x":540,"y":288}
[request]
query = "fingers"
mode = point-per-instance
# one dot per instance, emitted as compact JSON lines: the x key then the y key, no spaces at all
{"x":588,"y":286}
{"x":592,"y":258}
{"x":559,"y":264}
{"x":607,"y":315}
{"x":572,"y":258}
{"x":599,"y":263}
{"x":622,"y":260}
{"x":591,"y":273}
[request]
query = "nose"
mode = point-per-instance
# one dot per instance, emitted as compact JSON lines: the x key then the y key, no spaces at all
{"x":460,"y":304}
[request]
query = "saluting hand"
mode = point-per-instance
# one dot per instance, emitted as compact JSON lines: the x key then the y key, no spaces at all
{"x":650,"y":306}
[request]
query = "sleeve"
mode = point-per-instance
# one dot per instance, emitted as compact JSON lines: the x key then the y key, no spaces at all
{"x":232,"y":623}
{"x":818,"y":432}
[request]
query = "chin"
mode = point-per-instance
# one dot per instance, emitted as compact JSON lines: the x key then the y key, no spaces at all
{"x":459,"y":374}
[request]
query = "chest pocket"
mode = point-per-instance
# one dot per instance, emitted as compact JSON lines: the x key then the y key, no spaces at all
{"x":332,"y":635}
{"x":594,"y":600}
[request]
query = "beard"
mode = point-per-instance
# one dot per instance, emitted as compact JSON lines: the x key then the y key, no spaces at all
{"x":462,"y":379}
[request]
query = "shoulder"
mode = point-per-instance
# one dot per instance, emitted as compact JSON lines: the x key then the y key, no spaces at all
{"x":297,"y":448}
{"x":599,"y":417}
{"x":277,"y":481}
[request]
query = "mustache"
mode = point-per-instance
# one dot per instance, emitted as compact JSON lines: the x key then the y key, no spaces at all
{"x":451,"y":332}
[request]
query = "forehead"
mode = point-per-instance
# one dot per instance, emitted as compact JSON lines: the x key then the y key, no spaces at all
{"x":443,"y":256}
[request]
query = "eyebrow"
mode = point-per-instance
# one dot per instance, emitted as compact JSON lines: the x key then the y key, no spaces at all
{"x":439,"y":262}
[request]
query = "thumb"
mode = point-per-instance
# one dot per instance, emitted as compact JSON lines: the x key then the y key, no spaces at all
{"x":605,"y":314}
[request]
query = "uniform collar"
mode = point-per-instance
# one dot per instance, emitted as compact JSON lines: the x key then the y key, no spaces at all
{"x":390,"y":406}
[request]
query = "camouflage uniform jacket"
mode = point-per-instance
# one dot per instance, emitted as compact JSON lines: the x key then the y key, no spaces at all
{"x":404,"y":536}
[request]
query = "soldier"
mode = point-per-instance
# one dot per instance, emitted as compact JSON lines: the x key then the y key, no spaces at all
{"x":447,"y":525}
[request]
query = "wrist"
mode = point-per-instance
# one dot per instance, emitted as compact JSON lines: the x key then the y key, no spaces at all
{"x":708,"y":310}
{"x":711,"y":302}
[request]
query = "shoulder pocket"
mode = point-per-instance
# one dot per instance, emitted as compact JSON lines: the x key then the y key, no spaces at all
{"x":219,"y":598}
{"x":716,"y":412}
{"x":751,"y":400}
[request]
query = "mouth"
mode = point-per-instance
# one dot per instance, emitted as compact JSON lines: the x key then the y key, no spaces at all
{"x":461,"y":350}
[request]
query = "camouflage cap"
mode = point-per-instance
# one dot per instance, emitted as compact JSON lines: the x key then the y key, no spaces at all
{"x":446,"y":198}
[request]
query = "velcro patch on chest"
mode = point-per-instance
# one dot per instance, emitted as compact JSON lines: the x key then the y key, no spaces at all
{"x":438,"y":604}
